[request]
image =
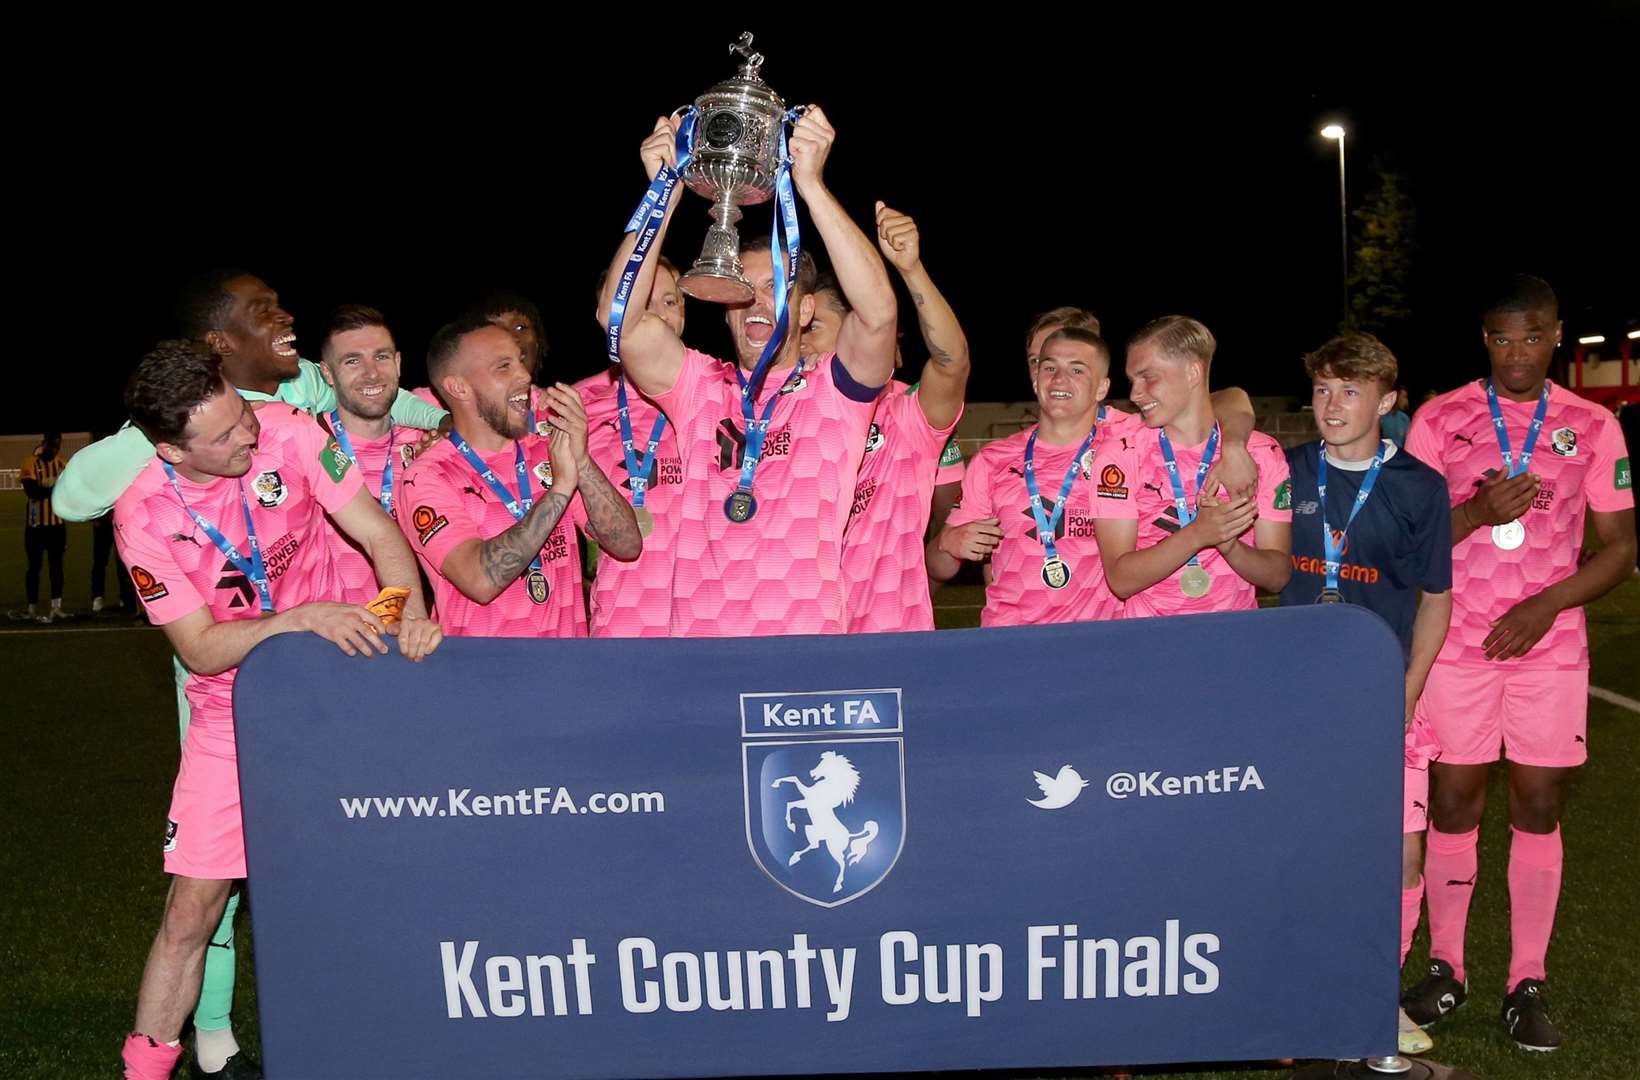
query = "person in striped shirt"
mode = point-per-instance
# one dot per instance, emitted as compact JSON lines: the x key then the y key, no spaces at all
{"x":45,"y":537}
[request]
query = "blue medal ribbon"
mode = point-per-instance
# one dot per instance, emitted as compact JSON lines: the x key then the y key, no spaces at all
{"x":1509,"y":466}
{"x":253,"y":568}
{"x":784,"y":236}
{"x":517,"y":507}
{"x":646,"y":222}
{"x":347,"y":448}
{"x":637,"y":469}
{"x":1048,"y":526}
{"x":757,"y":427}
{"x":1181,"y":504}
{"x":1333,"y":546}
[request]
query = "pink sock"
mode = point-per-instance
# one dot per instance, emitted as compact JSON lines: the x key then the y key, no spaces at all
{"x":1449,"y":876}
{"x":1412,"y":900}
{"x":1535,"y":860}
{"x":146,"y":1059}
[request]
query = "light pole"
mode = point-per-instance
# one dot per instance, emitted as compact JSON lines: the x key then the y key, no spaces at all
{"x":1336,"y":131}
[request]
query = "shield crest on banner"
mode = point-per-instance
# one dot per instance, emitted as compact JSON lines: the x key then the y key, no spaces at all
{"x":825,"y":814}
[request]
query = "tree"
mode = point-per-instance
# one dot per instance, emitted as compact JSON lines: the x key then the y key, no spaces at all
{"x":1383,"y":253}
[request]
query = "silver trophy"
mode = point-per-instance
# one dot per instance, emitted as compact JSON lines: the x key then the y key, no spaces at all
{"x":735,"y":163}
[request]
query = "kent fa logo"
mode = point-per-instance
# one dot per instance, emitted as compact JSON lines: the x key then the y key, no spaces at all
{"x":824,"y":790}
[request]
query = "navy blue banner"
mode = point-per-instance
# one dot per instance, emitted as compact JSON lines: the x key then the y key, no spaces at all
{"x":1161,"y":840}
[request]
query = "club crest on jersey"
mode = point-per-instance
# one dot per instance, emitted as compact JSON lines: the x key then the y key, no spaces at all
{"x":1563,"y":441}
{"x":543,"y":473}
{"x":824,"y":790}
{"x":170,"y":836}
{"x":799,"y":383}
{"x":407,"y":454}
{"x":874,"y":440}
{"x":270,"y":488}
{"x":1086,"y":464}
{"x":543,"y":427}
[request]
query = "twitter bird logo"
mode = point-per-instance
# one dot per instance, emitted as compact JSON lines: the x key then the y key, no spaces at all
{"x":1058,"y":791}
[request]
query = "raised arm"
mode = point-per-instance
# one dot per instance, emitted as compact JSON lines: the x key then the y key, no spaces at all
{"x":944,"y":381}
{"x":865,"y":342}
{"x":651,"y":353}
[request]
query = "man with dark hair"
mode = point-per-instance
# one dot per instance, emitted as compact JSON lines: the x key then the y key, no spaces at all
{"x":517,"y":315}
{"x":628,"y":435}
{"x":45,"y":537}
{"x":486,"y":508}
{"x":912,"y":471}
{"x":240,"y":319}
{"x":224,"y":534}
{"x":1182,"y":544}
{"x":1525,"y":461}
{"x":769,"y":463}
{"x":1371,"y":527}
{"x":360,"y":361}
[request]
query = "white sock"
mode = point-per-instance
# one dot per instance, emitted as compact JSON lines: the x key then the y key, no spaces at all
{"x":56,"y":603}
{"x":96,"y":603}
{"x":31,"y":609}
{"x":212,"y":1049}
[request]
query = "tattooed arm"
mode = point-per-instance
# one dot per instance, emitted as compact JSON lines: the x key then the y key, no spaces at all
{"x":610,"y":520}
{"x":482,"y":569}
{"x":945,"y":377}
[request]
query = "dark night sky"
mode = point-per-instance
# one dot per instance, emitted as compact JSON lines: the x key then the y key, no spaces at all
{"x":1095,"y":163}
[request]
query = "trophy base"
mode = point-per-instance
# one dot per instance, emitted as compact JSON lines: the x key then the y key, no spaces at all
{"x":716,"y":287}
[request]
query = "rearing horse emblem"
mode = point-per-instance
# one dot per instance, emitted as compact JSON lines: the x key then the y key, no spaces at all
{"x":824,"y":790}
{"x":836,"y":781}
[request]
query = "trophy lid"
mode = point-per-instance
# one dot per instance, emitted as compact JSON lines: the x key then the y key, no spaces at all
{"x":747,"y":84}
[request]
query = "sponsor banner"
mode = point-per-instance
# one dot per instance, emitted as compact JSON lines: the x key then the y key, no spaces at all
{"x":1035,"y":847}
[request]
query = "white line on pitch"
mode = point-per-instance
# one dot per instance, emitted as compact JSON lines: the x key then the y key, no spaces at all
{"x":1615,"y":699}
